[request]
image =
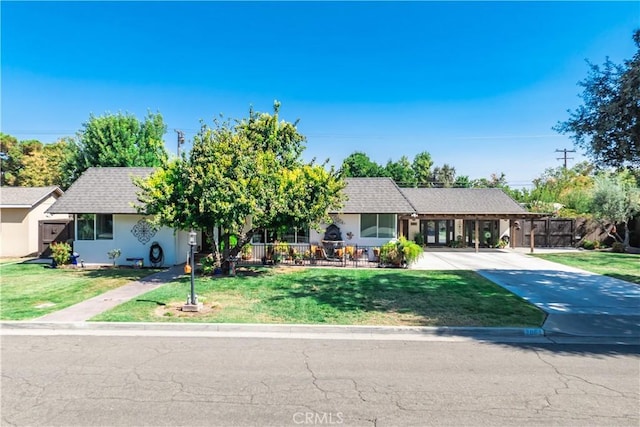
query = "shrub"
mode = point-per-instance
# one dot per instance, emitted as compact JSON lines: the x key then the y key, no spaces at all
{"x":618,"y":247}
{"x":590,"y":244}
{"x":419,"y":239}
{"x":61,"y":253}
{"x":400,"y":251}
{"x":114,"y":254}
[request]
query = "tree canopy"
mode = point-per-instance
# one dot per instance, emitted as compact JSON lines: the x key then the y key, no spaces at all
{"x":31,"y":163}
{"x":607,"y":125}
{"x":118,"y":140}
{"x":242,"y":177}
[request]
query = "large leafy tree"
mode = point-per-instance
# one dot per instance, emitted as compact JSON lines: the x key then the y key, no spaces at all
{"x":359,"y":165}
{"x":444,"y":176}
{"x":240,"y":178}
{"x":607,"y":125}
{"x":402,"y":172}
{"x":616,"y":199}
{"x":421,"y":165}
{"x":118,"y":140}
{"x":31,"y":163}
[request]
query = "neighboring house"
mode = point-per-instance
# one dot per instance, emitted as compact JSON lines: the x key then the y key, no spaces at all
{"x":25,"y":228}
{"x":377,"y":210}
{"x":102,"y":202}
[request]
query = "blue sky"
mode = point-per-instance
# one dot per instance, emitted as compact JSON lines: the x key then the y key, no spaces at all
{"x":476,"y":84}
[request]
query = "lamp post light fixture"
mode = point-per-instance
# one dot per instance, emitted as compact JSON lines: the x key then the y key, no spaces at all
{"x":192,"y":303}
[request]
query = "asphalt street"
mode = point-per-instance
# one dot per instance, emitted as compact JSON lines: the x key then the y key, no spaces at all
{"x":82,"y":380}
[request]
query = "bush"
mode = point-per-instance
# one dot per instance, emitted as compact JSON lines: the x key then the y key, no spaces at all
{"x":61,"y":253}
{"x":114,"y":254}
{"x":419,"y":239}
{"x":618,"y":247}
{"x":590,"y":244}
{"x":401,"y":251}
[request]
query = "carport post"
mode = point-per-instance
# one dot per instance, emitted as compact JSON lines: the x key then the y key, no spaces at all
{"x":477,"y":236}
{"x":533,"y":238}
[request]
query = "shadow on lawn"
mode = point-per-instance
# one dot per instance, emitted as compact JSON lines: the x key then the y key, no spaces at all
{"x":632,"y":278}
{"x":451,"y":299}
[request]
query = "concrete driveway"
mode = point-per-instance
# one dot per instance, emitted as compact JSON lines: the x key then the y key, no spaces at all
{"x":577,"y":302}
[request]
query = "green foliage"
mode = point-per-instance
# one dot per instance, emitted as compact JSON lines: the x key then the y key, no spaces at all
{"x":607,"y":124}
{"x":359,"y":165}
{"x":118,"y":140}
{"x":421,"y":166}
{"x":443,"y":177}
{"x":240,"y":178}
{"x":114,"y":254}
{"x":616,"y":199}
{"x":590,"y":244}
{"x":61,"y":253}
{"x":32,"y":163}
{"x":400,"y":251}
{"x":401,"y":172}
{"x":618,"y":247}
{"x":419,"y":239}
{"x":571,"y":188}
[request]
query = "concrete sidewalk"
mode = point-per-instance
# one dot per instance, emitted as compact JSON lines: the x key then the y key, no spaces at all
{"x":85,"y":310}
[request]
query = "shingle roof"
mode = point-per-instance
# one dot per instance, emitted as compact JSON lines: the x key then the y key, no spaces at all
{"x":462,"y":201}
{"x":374,"y":195}
{"x":25,"y":196}
{"x":102,"y":190}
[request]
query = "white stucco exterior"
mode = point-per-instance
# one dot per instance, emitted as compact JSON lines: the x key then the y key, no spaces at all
{"x":350,"y":223}
{"x":174,"y":244}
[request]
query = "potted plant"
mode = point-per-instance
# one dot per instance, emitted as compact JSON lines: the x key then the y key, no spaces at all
{"x":400,"y":252}
{"x":247,"y":251}
{"x":114,"y":254}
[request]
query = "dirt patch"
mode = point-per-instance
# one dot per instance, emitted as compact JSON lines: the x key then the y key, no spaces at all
{"x":175,"y":310}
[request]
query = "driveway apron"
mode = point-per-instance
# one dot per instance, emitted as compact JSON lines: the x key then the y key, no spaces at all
{"x":577,"y":302}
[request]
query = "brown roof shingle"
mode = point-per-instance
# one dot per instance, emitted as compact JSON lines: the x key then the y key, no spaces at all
{"x":374,"y":195}
{"x":482,"y":201}
{"x":26,"y":196}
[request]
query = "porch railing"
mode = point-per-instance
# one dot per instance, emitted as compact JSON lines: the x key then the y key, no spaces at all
{"x":311,"y":254}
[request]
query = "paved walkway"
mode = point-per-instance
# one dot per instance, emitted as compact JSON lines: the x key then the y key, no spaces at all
{"x":577,"y":302}
{"x":85,"y":310}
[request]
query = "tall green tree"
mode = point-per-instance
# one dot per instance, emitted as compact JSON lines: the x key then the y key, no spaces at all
{"x":401,"y":172}
{"x":118,"y":140}
{"x":241,"y":178}
{"x":421,"y":166}
{"x":443,"y":177}
{"x":607,"y":125}
{"x":616,"y":199}
{"x":359,"y":165}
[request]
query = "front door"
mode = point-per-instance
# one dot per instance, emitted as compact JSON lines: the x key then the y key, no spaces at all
{"x":437,"y":232}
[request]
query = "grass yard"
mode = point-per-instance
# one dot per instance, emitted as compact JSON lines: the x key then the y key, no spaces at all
{"x":337,"y":296}
{"x":28,"y":291}
{"x":620,"y":266}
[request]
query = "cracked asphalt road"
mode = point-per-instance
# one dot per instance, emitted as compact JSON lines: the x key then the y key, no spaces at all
{"x":168,"y":381}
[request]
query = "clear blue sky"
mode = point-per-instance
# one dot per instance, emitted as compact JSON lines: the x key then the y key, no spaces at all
{"x":478,"y":85}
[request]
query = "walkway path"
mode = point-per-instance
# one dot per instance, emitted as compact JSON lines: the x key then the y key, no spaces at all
{"x":577,"y":302}
{"x":85,"y":310}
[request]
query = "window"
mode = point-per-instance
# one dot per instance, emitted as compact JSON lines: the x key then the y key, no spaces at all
{"x":94,"y":227}
{"x":378,"y":225}
{"x":289,"y":235}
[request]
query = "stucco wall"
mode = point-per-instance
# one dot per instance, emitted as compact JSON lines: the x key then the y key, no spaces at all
{"x":15,"y":232}
{"x":350,"y":223}
{"x":19,"y":228}
{"x":174,"y":245}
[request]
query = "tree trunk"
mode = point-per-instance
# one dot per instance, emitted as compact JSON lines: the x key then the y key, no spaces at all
{"x":626,"y":235}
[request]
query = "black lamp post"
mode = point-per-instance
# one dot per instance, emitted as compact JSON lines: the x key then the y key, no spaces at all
{"x":192,"y":244}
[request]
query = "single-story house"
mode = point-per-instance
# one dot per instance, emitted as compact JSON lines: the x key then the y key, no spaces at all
{"x":102,"y":202}
{"x":25,"y":227}
{"x":377,"y":210}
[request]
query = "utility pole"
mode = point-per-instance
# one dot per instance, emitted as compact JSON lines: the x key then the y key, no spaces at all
{"x":565,"y":151}
{"x":180,"y":139}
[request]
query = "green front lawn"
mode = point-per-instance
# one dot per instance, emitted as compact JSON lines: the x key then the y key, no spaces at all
{"x":620,"y":266}
{"x":28,"y":291}
{"x":336,"y":296}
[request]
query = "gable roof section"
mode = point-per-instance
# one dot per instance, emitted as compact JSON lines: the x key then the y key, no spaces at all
{"x":375,"y":195}
{"x":26,"y":197}
{"x":102,"y":190}
{"x":452,"y":201}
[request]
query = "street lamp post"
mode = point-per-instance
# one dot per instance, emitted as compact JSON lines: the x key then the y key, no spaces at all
{"x":192,"y":300}
{"x":192,"y":244}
